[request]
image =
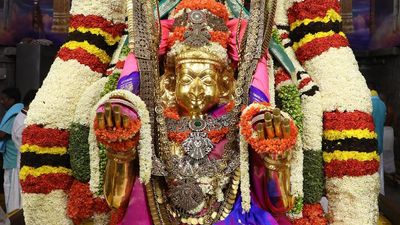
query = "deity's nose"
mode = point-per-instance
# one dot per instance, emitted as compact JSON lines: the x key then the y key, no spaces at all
{"x":197,"y":88}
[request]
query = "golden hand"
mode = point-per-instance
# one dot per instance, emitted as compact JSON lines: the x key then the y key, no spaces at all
{"x":277,"y":165}
{"x":274,"y":126}
{"x":112,"y":117}
{"x":120,"y":169}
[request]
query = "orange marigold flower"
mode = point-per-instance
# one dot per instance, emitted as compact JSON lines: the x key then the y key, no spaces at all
{"x":212,"y":6}
{"x":220,"y":37}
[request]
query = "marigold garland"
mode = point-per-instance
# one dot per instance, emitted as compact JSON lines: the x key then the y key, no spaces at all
{"x":81,"y":204}
{"x":44,"y":137}
{"x":105,"y":136}
{"x":92,"y":21}
{"x":311,"y":37}
{"x":84,"y":58}
{"x":312,"y":9}
{"x":43,"y":150}
{"x":348,"y":120}
{"x":92,"y":49}
{"x":320,"y":45}
{"x":108,"y":38}
{"x":214,"y":7}
{"x":351,"y":167}
{"x":27,"y":170}
{"x":312,"y":215}
{"x":216,"y":36}
{"x":46,"y":183}
{"x":345,"y":155}
{"x":265,"y":146}
{"x":357,"y":133}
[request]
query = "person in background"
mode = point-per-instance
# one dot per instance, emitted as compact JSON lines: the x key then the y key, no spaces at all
{"x":10,"y":98}
{"x":379,"y":115}
{"x":18,"y":127}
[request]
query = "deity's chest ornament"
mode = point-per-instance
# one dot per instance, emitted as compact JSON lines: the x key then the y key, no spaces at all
{"x":198,"y":145}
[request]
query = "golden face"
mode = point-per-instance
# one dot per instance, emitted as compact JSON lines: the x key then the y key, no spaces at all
{"x":197,"y":87}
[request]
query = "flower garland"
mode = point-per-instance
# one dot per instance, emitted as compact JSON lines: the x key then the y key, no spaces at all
{"x":352,"y":193}
{"x":214,"y":7}
{"x":72,"y":72}
{"x":49,"y":107}
{"x":89,"y":97}
{"x":102,"y":168}
{"x":265,"y":146}
{"x":111,"y":84}
{"x":39,"y":136}
{"x":81,"y":204}
{"x":49,"y":208}
{"x":216,"y":37}
{"x":109,"y":10}
{"x":119,"y":139}
{"x":79,"y":132}
{"x":313,"y":176}
{"x":79,"y":152}
{"x":312,"y":215}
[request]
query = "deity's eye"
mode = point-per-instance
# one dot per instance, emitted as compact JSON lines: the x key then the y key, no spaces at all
{"x":186,"y":79}
{"x":207,"y":80}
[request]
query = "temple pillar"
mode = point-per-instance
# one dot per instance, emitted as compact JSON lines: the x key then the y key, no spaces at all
{"x":347,"y":16}
{"x":61,"y":16}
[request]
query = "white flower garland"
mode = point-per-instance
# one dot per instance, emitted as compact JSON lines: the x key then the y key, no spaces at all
{"x":271,"y":77}
{"x":55,"y":103}
{"x":94,"y":156}
{"x":212,"y":48}
{"x":101,"y":219}
{"x":49,"y":208}
{"x":337,"y":69}
{"x":312,"y":110}
{"x":296,"y":174}
{"x":110,"y":10}
{"x":145,"y":141}
{"x":353,"y":200}
{"x":89,"y":98}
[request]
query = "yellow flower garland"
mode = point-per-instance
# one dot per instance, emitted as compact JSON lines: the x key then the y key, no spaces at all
{"x":27,"y":170}
{"x":310,"y":37}
{"x":43,"y":150}
{"x":101,"y":54}
{"x":331,"y":15}
{"x":346,"y":155}
{"x":110,"y":40}
{"x":332,"y":135}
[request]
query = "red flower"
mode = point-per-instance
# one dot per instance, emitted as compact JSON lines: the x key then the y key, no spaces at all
{"x":212,"y":6}
{"x":46,"y":183}
{"x":45,"y":137}
{"x":312,"y":215}
{"x":81,"y":204}
{"x":348,"y":120}
{"x":281,"y":76}
{"x":92,"y":21}
{"x":351,"y":167}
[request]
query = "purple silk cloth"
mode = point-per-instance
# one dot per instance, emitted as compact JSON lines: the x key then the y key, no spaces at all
{"x":256,"y":95}
{"x":256,"y":216}
{"x":138,"y":211}
{"x":130,"y":82}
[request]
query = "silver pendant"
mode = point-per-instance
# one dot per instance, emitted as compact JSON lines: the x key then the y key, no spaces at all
{"x":198,"y":145}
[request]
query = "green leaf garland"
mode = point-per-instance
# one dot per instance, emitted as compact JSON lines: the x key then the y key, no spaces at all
{"x":79,"y":152}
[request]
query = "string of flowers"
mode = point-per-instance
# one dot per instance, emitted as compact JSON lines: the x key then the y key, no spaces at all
{"x":268,"y":146}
